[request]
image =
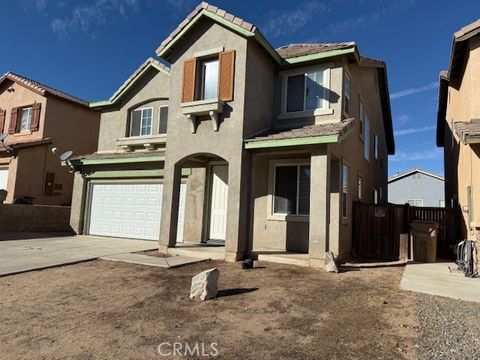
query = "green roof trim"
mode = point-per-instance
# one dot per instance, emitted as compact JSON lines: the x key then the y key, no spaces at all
{"x":321,"y":55}
{"x":322,"y":139}
{"x":123,"y":174}
{"x":131,"y":83}
{"x":228,"y":24}
{"x":131,"y":160}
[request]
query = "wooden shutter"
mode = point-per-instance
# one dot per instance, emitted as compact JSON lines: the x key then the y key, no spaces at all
{"x":3,"y":114}
{"x":188,"y":88}
{"x":49,"y":183}
{"x":226,"y":75}
{"x":12,"y":127}
{"x":35,"y":117}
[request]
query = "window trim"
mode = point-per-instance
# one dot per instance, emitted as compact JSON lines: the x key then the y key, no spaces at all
{"x":346,"y":217}
{"x":20,"y":110}
{"x":361,"y":118}
{"x":273,"y":164}
{"x":346,"y":75}
{"x":325,"y":110}
{"x":201,"y":68}
{"x":141,"y":121}
{"x":360,"y":187}
{"x":159,"y":119}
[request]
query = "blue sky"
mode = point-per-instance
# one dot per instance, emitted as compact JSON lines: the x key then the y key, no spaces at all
{"x":88,"y":48}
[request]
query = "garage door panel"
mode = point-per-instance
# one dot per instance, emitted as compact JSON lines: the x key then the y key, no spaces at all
{"x":129,"y":210}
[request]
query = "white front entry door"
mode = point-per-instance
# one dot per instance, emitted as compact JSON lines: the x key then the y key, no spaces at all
{"x":3,"y":179}
{"x":130,"y":210}
{"x":218,"y":207}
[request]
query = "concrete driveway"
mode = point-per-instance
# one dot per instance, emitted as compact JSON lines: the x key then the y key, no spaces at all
{"x":39,"y":252}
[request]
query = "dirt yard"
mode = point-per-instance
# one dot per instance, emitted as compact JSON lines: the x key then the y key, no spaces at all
{"x":106,"y":310}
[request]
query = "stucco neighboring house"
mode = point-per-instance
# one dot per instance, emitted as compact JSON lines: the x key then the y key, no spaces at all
{"x":417,"y":187}
{"x":265,"y":148}
{"x":37,"y":118}
{"x":458,"y":128}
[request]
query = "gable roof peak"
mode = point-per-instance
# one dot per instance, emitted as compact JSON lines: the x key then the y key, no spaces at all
{"x":41,"y":88}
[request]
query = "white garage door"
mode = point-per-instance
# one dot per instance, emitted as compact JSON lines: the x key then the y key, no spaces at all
{"x":129,"y":210}
{"x":3,"y":179}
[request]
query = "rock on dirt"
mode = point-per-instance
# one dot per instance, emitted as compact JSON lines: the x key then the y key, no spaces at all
{"x":205,"y":285}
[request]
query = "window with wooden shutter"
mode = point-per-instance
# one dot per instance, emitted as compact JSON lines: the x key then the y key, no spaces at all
{"x":49,"y":183}
{"x":12,"y":126}
{"x":35,"y":124}
{"x":3,"y":114}
{"x":163,"y":120}
{"x":226,"y":75}
{"x":188,"y":88}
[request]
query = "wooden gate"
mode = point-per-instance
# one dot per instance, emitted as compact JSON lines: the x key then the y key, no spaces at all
{"x":378,"y":228}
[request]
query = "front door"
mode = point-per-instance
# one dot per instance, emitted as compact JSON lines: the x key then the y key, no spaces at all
{"x":218,"y":206}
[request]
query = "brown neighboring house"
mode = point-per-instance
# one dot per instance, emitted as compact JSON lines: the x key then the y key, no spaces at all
{"x":458,"y":128}
{"x":35,"y":119}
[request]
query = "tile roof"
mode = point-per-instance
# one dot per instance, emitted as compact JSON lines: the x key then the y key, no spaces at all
{"x":118,"y":155}
{"x":338,"y":128}
{"x":42,"y":89}
{"x":470,"y":128}
{"x":296,"y":50}
{"x":25,"y":143}
{"x":212,"y":9}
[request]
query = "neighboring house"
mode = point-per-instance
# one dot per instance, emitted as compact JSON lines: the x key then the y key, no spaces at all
{"x":418,"y":188}
{"x":37,"y":118}
{"x":458,"y":128}
{"x":265,"y":148}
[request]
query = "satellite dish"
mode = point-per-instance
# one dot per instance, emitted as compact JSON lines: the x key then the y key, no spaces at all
{"x":3,"y":137}
{"x":66,"y":155}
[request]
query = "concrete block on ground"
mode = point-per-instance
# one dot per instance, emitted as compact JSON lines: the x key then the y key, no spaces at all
{"x":205,"y":285}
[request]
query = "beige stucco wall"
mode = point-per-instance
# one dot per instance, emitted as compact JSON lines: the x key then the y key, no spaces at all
{"x":150,"y":90}
{"x":69,"y":126}
{"x":462,"y":161}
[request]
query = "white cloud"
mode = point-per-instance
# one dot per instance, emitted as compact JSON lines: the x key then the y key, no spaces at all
{"x":412,"y":91}
{"x":402,"y":119}
{"x":433,"y":154}
{"x":369,"y":19}
{"x":289,"y":22}
{"x":86,"y":18}
{"x":413,"y":130}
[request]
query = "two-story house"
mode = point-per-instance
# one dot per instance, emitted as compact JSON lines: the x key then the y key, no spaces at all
{"x":36,"y":118}
{"x":265,"y":148}
{"x":458,"y":128}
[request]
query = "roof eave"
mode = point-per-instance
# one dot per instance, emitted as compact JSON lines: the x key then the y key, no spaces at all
{"x":320,"y":55}
{"x":164,"y":50}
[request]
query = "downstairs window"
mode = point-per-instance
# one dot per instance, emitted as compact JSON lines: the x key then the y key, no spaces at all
{"x":292,"y":190}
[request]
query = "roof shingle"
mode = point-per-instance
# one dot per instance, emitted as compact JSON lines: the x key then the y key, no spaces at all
{"x":296,"y":50}
{"x":338,"y":128}
{"x":43,"y":89}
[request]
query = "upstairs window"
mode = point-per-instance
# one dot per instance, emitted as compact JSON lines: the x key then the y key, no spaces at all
{"x":375,"y":145}
{"x":306,"y":91}
{"x":162,"y":129}
{"x":362,"y":118}
{"x":360,"y":188}
{"x":208,"y":79}
{"x":347,"y":94}
{"x":25,"y":119}
{"x":141,"y":122}
{"x":366,"y":139}
{"x":292,"y":190}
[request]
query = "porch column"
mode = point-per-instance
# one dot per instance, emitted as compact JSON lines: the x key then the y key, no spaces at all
{"x":236,"y":241}
{"x":77,"y":209}
{"x":319,"y":206}
{"x":171,"y":193}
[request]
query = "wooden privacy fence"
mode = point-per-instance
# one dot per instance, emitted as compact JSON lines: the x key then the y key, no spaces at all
{"x":381,"y":230}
